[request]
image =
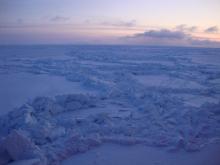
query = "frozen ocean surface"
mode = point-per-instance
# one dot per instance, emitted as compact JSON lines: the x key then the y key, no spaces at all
{"x":97,"y":104}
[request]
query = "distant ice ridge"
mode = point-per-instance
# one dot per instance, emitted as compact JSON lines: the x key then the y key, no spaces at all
{"x":54,"y":132}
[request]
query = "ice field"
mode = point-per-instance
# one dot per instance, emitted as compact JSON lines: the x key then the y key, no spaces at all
{"x":109,"y":105}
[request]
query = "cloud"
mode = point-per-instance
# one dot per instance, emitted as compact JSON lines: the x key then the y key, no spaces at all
{"x":204,"y":43}
{"x":169,"y":38}
{"x":59,"y":19}
{"x":212,"y":29}
{"x":131,"y":23}
{"x":184,"y":27}
{"x":163,"y":34}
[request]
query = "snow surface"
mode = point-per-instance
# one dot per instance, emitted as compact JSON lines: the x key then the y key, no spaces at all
{"x":81,"y":98}
{"x":111,"y":154}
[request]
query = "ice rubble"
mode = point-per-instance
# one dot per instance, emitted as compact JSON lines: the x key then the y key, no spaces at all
{"x":52,"y":135}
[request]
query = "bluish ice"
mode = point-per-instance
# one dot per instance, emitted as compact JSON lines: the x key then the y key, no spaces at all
{"x":66,"y":100}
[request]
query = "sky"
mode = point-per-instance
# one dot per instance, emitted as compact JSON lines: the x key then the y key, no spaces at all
{"x":136,"y":22}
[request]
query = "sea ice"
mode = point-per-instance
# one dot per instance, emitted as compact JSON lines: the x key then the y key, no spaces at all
{"x":89,"y":96}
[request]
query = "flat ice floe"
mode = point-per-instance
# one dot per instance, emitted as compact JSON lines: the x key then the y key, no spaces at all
{"x":110,"y":154}
{"x":17,"y":88}
{"x":73,"y":100}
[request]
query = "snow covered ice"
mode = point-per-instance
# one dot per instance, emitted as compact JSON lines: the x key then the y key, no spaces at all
{"x":59,"y":103}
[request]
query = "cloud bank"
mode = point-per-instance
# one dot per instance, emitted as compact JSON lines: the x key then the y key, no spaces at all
{"x":163,"y":34}
{"x":176,"y":37}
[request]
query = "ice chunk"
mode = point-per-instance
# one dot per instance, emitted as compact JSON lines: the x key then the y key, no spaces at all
{"x":20,"y":147}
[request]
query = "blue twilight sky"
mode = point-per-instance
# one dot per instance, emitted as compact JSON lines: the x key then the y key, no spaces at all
{"x":149,"y":22}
